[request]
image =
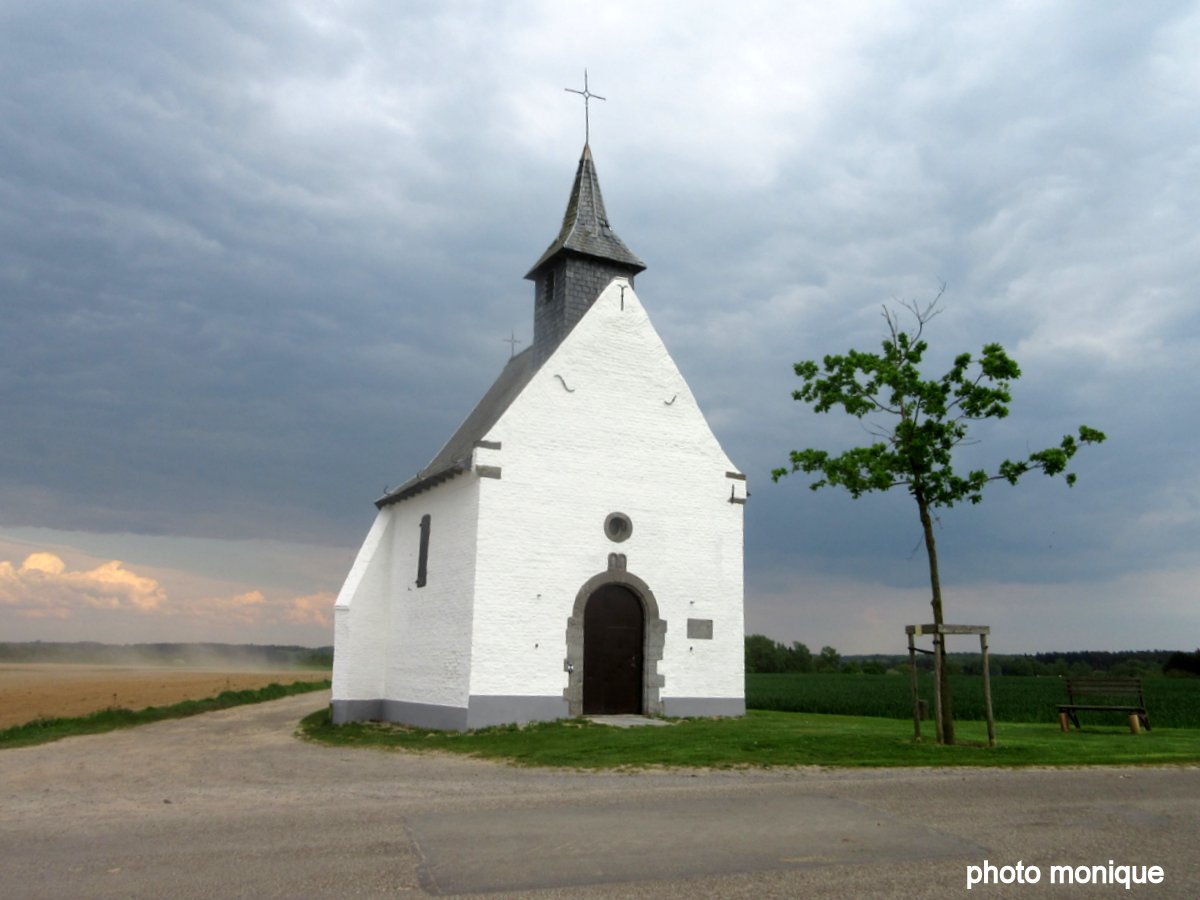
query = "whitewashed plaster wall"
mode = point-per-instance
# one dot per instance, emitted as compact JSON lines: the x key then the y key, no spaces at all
{"x":429,"y":647}
{"x":399,"y":642}
{"x":360,"y":638}
{"x":607,"y":425}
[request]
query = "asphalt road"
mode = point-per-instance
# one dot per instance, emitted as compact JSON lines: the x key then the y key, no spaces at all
{"x":231,"y":804}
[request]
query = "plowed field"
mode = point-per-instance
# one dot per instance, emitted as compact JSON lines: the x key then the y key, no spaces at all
{"x":34,"y":690}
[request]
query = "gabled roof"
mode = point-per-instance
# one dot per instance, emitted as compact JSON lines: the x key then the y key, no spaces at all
{"x":455,"y":457}
{"x":585,"y":226}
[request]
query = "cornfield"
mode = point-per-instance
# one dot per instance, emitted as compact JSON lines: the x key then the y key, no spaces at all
{"x":1171,"y":702}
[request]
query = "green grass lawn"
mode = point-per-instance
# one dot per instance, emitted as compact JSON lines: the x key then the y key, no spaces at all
{"x":764,"y":738}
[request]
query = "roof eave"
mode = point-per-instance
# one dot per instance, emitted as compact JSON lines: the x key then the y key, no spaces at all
{"x":423,"y":483}
{"x":634,"y":264}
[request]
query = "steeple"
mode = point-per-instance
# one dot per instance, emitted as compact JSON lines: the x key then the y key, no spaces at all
{"x":578,"y":264}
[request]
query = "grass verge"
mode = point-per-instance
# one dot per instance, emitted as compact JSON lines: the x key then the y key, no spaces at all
{"x":772,"y":739}
{"x":42,"y":731}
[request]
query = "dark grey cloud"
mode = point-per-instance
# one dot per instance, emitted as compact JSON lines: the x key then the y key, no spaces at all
{"x":257,"y":261}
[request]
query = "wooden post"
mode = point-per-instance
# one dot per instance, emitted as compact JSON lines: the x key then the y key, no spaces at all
{"x":939,"y":633}
{"x":987,"y":691}
{"x":1064,"y":722}
{"x":916,"y":700}
{"x":937,"y":685}
{"x":1135,"y":724}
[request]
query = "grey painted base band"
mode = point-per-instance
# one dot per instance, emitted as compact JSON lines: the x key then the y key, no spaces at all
{"x":496,"y":709}
{"x":343,"y":711}
{"x":482,"y":712}
{"x":487,"y":710}
{"x":684,"y":707}
{"x":424,"y":715}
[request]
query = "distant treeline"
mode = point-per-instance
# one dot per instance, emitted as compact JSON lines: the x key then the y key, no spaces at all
{"x":233,"y":655}
{"x":764,"y":655}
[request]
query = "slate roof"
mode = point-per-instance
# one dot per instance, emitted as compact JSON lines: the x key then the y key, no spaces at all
{"x":455,"y":457}
{"x":585,"y":226}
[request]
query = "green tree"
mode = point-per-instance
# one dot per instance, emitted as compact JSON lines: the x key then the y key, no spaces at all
{"x":1019,"y":665}
{"x":764,"y":654}
{"x":829,"y":660}
{"x":800,"y":658}
{"x":1182,"y":665}
{"x":918,"y":424}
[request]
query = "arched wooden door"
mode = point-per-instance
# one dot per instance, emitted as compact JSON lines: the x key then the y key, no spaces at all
{"x":613,"y":629}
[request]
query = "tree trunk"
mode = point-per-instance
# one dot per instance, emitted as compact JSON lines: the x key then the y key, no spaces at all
{"x":946,"y":734}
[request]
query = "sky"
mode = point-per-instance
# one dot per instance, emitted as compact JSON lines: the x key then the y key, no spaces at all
{"x":257,"y":261}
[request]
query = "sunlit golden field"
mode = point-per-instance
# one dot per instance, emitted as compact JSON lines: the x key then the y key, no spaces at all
{"x":44,"y":690}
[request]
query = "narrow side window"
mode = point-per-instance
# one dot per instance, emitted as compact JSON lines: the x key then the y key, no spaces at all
{"x":423,"y":556}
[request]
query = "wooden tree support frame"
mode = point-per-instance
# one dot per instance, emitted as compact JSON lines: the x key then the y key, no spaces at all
{"x":939,"y":633}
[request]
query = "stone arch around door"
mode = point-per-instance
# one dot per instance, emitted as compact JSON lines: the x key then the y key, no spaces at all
{"x":654,"y":637}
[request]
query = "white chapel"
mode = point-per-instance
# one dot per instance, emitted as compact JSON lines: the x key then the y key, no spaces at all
{"x":575,"y":548}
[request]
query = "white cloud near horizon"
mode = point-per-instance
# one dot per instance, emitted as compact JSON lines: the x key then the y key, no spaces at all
{"x":43,"y":587}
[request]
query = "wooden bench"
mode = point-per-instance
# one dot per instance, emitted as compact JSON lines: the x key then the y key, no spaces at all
{"x":1102,"y":692}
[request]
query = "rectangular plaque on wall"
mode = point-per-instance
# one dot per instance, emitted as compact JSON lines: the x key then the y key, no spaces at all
{"x":700,"y":629}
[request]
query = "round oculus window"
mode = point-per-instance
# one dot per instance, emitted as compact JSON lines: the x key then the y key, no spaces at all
{"x":618,"y":527}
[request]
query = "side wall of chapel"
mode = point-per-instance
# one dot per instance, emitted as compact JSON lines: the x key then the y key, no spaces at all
{"x":401,"y":646}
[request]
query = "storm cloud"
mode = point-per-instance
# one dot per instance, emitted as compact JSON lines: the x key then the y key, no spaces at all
{"x":258,"y":260}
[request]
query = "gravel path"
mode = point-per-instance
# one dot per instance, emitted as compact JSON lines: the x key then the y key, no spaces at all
{"x":231,"y":804}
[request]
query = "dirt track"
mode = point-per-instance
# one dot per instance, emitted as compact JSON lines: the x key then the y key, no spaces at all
{"x":42,"y":690}
{"x":231,"y":804}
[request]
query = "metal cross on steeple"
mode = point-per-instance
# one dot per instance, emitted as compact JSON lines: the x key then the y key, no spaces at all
{"x":512,"y":341}
{"x":586,"y":95}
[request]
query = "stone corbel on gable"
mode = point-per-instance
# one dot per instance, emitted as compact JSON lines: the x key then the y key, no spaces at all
{"x":481,"y":457}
